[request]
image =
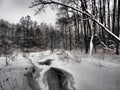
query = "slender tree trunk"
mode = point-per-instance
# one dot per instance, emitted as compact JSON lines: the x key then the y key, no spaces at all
{"x":76,"y":30}
{"x":81,"y":33}
{"x":70,"y":39}
{"x":63,"y":35}
{"x":78,"y":34}
{"x":51,"y":41}
{"x":113,"y":19}
{"x":118,"y":28}
{"x":102,"y":20}
{"x":108,"y":16}
{"x":70,"y":35}
{"x":108,"y":19}
{"x":84,"y":6}
{"x":94,"y":13}
{"x":66,"y":40}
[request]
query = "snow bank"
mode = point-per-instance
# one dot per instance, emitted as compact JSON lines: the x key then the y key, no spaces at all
{"x":89,"y":73}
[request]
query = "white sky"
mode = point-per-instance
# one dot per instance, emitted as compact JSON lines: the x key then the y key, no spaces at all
{"x":13,"y":10}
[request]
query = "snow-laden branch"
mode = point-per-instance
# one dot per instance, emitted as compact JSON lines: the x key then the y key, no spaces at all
{"x":42,"y":2}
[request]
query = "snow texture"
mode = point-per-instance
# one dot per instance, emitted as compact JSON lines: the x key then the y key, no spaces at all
{"x":89,"y":72}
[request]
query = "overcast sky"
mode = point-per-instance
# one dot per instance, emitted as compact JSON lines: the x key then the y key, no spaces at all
{"x":13,"y":10}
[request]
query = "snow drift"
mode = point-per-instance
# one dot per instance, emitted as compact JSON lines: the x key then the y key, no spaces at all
{"x":82,"y":71}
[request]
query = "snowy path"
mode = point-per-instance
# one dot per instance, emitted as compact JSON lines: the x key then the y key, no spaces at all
{"x":89,"y":73}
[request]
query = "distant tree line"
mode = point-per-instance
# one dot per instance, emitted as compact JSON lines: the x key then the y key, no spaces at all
{"x":28,"y":34}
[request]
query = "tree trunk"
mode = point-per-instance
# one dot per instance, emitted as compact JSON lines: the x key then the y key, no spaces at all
{"x":118,"y":21}
{"x":84,"y":6}
{"x":70,"y":35}
{"x":113,"y":19}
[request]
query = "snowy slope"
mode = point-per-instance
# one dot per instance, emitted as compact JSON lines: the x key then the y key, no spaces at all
{"x":89,"y":72}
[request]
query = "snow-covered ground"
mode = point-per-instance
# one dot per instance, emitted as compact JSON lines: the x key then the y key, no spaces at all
{"x":97,"y":72}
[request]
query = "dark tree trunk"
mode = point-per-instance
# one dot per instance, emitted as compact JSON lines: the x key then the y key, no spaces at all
{"x":52,"y":42}
{"x":66,"y":40}
{"x":108,"y":20}
{"x":76,"y":33}
{"x":118,"y":21}
{"x":113,"y":18}
{"x":84,"y":6}
{"x":102,"y":20}
{"x":94,"y":13}
{"x":70,"y":35}
{"x":63,"y":35}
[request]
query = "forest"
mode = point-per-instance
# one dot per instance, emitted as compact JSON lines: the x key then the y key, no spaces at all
{"x":73,"y":29}
{"x":81,"y":51}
